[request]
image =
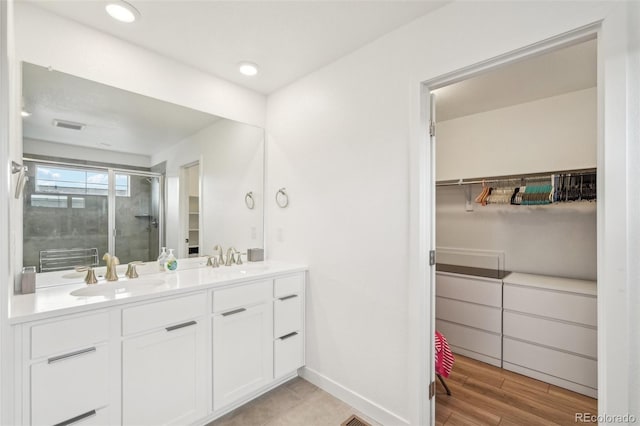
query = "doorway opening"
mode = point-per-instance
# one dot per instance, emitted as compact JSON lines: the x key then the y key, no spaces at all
{"x":190,"y":206}
{"x":514,"y":287}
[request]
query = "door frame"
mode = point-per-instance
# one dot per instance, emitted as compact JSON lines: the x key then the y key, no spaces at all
{"x":427,"y":189}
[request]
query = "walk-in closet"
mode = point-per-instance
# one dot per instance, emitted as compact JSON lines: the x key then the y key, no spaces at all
{"x":516,"y":194}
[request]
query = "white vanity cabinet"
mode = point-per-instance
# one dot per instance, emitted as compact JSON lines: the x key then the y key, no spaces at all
{"x":163,"y":360}
{"x":67,"y":372}
{"x":469,"y":315}
{"x":288,"y":324}
{"x":242,"y":341}
{"x":181,"y":356}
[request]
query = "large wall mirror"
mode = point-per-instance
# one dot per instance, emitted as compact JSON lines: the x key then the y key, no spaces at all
{"x":113,"y":171}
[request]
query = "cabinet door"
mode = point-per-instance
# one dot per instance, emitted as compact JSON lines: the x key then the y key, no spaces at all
{"x":162,"y":378}
{"x":242,"y":352}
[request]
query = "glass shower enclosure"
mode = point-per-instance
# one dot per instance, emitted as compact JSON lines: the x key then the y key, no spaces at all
{"x":73,"y":214}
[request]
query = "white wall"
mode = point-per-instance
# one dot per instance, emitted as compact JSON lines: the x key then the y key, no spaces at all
{"x":557,"y":240}
{"x":551,"y":134}
{"x":53,"y":149}
{"x":344,"y":141}
{"x":45,"y":39}
{"x":231,"y":156}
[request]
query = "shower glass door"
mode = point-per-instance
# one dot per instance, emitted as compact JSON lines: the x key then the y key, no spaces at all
{"x":136,"y":233}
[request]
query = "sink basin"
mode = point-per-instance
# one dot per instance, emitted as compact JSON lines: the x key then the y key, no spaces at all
{"x":113,"y":289}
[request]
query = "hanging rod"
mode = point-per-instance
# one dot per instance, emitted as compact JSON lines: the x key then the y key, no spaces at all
{"x":495,"y":179}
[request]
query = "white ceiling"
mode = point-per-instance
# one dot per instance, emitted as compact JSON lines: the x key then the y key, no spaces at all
{"x":115,"y":119}
{"x":287,"y":39}
{"x":555,"y":73}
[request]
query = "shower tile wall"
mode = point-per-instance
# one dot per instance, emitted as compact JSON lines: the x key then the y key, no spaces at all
{"x":47,"y":228}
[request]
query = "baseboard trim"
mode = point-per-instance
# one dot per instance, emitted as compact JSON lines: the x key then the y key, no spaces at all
{"x":357,"y":401}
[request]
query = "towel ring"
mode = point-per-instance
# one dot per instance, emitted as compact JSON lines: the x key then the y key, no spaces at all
{"x":249,"y":201}
{"x":282,"y":199}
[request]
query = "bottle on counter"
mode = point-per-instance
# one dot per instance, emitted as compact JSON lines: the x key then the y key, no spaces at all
{"x":162,"y":259}
{"x":171,"y":262}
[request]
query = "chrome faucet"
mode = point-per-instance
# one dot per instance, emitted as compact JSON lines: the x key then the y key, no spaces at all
{"x":112,"y":262}
{"x":230,"y":259}
{"x":218,"y":248}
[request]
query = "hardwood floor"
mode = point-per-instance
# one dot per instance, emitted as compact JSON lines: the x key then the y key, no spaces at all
{"x":486,"y":395}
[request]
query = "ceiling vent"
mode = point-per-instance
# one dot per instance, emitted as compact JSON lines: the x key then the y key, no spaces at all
{"x":68,"y":124}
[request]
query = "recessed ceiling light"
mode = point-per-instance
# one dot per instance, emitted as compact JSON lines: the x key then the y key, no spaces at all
{"x":25,"y":113}
{"x":248,"y":68}
{"x":122,"y":11}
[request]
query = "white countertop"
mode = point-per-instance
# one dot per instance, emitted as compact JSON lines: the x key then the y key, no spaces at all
{"x":57,"y":300}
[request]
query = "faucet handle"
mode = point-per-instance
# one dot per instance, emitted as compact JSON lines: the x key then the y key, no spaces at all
{"x":212,"y":261}
{"x":131,"y":269}
{"x":90,"y":278}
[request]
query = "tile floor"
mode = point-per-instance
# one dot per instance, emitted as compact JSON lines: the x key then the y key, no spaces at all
{"x":296,"y":402}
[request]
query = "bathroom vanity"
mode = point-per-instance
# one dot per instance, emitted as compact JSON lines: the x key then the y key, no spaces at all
{"x":184,"y":347}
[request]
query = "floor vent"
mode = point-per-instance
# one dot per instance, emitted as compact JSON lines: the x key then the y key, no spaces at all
{"x":354,"y":421}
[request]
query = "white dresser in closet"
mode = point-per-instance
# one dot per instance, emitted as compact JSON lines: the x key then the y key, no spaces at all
{"x":549,"y":330}
{"x":469,"y":315}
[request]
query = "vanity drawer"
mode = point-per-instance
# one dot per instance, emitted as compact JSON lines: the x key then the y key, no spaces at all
{"x":288,"y":354}
{"x":243,"y":295}
{"x":286,"y":286}
{"x":163,"y":313}
{"x":478,"y":316}
{"x":287,"y":315}
{"x":483,"y":291}
{"x":64,"y":387}
{"x":553,"y":304}
{"x":68,"y":334}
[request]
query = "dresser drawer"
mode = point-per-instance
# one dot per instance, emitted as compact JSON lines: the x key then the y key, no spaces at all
{"x":286,"y":286}
{"x":288,"y":354}
{"x":287,"y":315}
{"x":569,"y":337}
{"x":69,"y":385}
{"x":472,"y":339}
{"x":243,"y":295}
{"x":553,"y":304}
{"x":163,"y":313}
{"x":555,"y":363}
{"x":68,"y":334}
{"x":478,"y":316}
{"x":483,"y":291}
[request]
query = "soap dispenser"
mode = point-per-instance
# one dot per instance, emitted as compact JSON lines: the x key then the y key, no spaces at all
{"x":162,"y":259}
{"x":171,"y":261}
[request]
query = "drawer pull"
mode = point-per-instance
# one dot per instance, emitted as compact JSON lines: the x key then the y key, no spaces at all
{"x":287,"y":297}
{"x":183,"y":325}
{"x":287,"y":336}
{"x":235,"y":311}
{"x":71,"y":355}
{"x":76,"y":419}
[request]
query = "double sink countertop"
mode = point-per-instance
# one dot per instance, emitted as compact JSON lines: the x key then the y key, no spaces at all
{"x":55,"y":297}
